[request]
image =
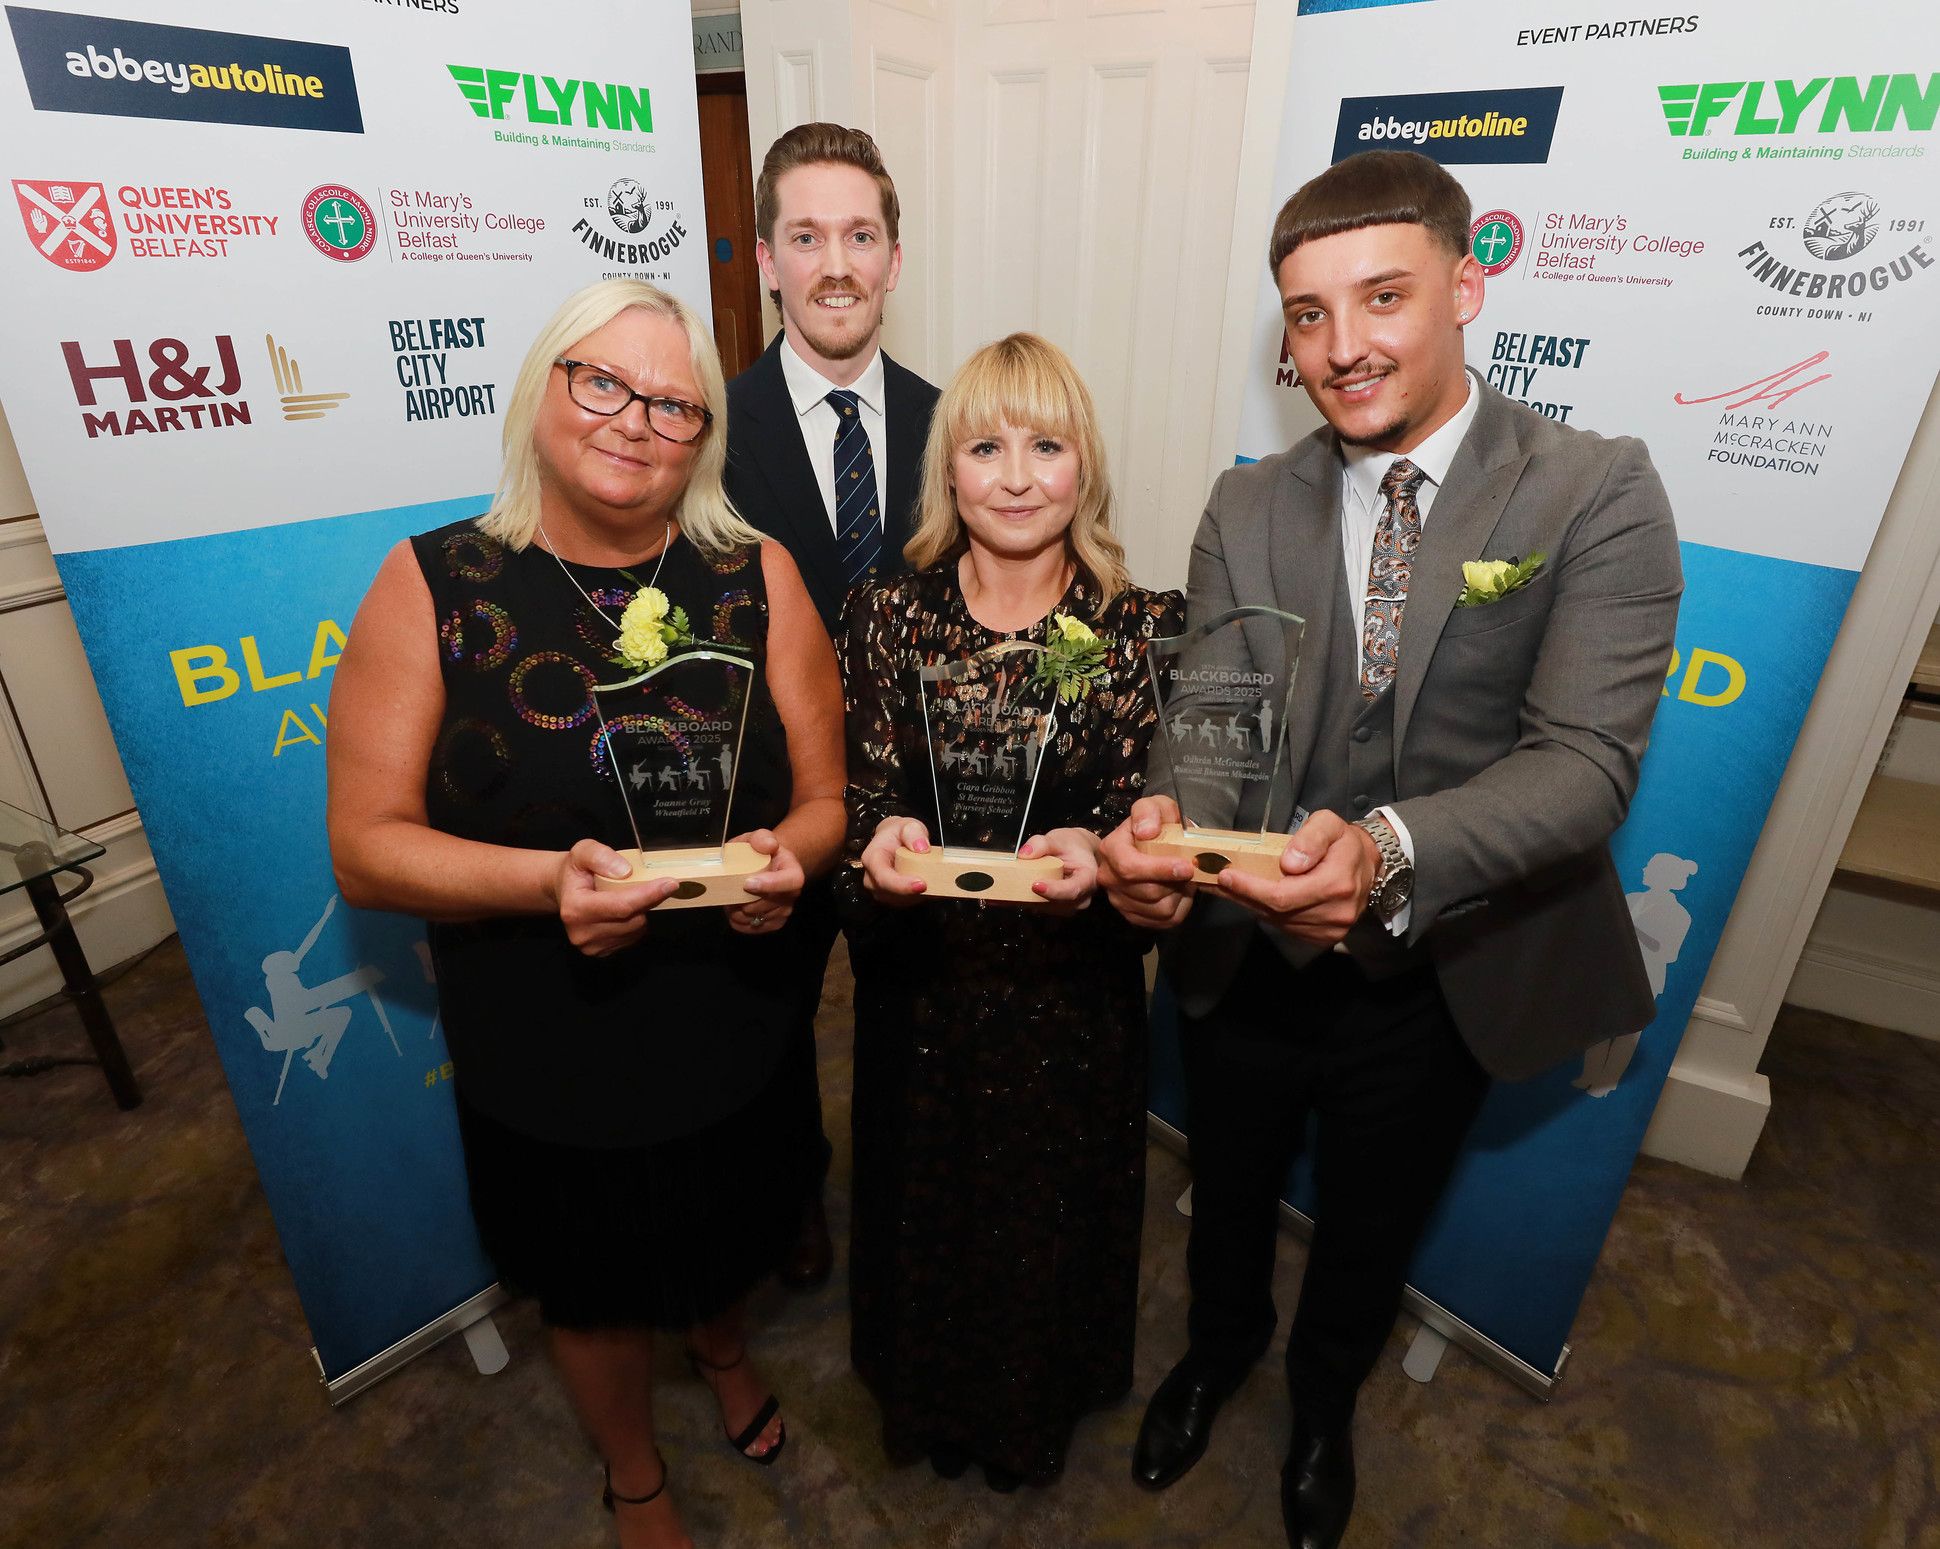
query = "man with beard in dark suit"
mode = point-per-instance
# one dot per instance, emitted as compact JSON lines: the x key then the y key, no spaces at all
{"x":825,"y":443}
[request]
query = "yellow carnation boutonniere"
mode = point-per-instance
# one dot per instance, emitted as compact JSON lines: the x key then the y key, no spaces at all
{"x":1490,"y":580}
{"x":649,"y":629}
{"x":1073,"y":659}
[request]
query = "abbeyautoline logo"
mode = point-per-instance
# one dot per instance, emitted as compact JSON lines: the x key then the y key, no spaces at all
{"x":546,"y":100}
{"x":1820,"y":104}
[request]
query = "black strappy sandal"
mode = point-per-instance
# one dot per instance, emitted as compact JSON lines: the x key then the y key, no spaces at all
{"x":609,"y":1499}
{"x":751,"y":1432}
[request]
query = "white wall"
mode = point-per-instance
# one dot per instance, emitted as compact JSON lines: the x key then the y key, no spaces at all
{"x":1065,"y":166}
{"x":57,"y":758}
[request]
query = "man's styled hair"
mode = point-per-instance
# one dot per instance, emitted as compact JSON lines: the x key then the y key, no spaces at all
{"x":1374,"y":188}
{"x":809,"y":144}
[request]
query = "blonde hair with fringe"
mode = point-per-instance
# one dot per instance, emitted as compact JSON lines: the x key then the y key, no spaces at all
{"x":705,"y":515}
{"x":1028,"y":382}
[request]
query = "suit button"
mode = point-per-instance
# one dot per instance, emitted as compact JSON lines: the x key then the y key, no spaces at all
{"x":1364,"y":802}
{"x":1362,"y":733}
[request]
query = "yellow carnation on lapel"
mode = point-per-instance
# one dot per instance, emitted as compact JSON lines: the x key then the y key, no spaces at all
{"x":649,"y":606}
{"x":1070,"y":628}
{"x":1486,"y":576}
{"x":641,"y":642}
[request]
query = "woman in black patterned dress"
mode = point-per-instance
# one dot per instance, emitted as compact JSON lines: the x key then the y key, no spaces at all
{"x":999,"y":1117}
{"x":628,"y":1148}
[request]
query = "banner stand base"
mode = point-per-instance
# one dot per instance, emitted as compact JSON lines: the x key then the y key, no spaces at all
{"x":378,"y":1367}
{"x":1434,"y":1317}
{"x":487,"y":1349}
{"x":1424,"y":1357}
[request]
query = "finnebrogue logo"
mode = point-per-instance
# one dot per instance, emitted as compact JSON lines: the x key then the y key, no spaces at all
{"x":1453,"y":127}
{"x":1858,"y":250}
{"x":629,"y":210}
{"x":127,"y":69}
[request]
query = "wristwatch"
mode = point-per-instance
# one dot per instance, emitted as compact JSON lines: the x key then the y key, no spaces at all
{"x":1394,"y":878}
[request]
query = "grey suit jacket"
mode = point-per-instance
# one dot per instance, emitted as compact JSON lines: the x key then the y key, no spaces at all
{"x":1518,"y":725}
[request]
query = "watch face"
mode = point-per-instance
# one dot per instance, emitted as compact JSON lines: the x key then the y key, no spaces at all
{"x":1395,"y":891}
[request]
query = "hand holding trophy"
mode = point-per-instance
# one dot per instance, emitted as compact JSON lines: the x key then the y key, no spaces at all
{"x":671,"y":734}
{"x":1223,"y":691}
{"x":990,"y":726}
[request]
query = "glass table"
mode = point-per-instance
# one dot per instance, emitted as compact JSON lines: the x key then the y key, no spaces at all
{"x":34,"y":853}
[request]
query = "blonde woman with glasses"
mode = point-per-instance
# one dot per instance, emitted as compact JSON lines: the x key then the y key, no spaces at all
{"x":626,"y":1143}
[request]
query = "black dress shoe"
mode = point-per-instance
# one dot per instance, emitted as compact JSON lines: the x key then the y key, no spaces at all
{"x":1317,"y":1488}
{"x":1178,"y":1422}
{"x":811,"y":1260}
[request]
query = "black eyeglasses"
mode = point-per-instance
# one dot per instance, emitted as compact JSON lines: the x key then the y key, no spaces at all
{"x":598,"y":391}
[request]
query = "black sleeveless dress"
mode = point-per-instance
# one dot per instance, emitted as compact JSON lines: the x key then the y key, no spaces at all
{"x":631,"y":1158}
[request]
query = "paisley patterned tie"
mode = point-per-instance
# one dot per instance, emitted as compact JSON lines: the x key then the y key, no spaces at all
{"x":1396,"y":536}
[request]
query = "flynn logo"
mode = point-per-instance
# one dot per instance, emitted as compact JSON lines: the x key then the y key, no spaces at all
{"x":539,"y":99}
{"x":297,"y":404}
{"x":68,"y":223}
{"x":1825,"y":104}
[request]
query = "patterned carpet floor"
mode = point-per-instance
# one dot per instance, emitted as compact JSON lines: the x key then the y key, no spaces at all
{"x":1757,"y":1363}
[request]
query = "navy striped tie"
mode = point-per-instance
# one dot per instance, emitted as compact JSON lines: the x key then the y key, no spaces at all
{"x":858,"y":519}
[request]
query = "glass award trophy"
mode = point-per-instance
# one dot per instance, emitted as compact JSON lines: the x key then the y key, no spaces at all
{"x":671,"y":735}
{"x":1223,"y":690}
{"x":987,"y":724}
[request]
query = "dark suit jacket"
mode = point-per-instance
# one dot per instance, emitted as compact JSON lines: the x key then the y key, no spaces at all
{"x":1518,"y":725}
{"x":772,"y":484}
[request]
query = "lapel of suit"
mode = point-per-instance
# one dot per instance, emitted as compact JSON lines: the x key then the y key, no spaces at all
{"x":1467,"y":507}
{"x":1304,"y":561}
{"x":906,"y":428}
{"x":781,"y":458}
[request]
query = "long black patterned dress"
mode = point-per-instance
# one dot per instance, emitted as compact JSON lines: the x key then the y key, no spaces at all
{"x":999,"y":1118}
{"x":630,"y":1154}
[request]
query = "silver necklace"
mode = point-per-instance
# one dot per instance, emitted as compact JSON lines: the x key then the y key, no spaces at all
{"x":667,"y":536}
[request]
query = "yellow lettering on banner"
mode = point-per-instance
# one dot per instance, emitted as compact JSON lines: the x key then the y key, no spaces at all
{"x":254,"y":663}
{"x":1677,"y":660}
{"x":1734,"y":680}
{"x":287,"y":738}
{"x":328,"y":635}
{"x":195,"y":663}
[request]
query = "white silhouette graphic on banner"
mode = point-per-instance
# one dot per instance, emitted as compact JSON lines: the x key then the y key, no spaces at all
{"x":310,"y":1019}
{"x":1661,"y":923}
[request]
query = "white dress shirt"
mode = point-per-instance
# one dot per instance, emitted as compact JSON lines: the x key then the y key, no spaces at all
{"x":1363,"y":469}
{"x":808,"y":390}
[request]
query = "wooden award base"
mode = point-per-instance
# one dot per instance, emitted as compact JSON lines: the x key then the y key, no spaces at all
{"x":995,"y":876}
{"x":709,"y":879}
{"x":1212,"y":850}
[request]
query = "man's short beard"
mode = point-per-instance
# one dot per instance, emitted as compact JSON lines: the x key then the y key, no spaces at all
{"x":842,"y":348}
{"x":1375,"y":438}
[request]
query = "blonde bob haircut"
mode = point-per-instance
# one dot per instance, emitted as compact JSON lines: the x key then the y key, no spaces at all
{"x":704,"y":514}
{"x":1030,"y":383}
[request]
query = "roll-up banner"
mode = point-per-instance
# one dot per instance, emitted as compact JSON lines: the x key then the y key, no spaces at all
{"x":266,"y":297}
{"x":1714,"y":229}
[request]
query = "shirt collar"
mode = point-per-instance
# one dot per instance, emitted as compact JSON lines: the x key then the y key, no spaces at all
{"x":1366,"y":466}
{"x":807,"y":387}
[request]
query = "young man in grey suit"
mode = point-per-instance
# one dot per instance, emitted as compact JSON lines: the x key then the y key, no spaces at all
{"x":1449,"y":913}
{"x":825,"y":440}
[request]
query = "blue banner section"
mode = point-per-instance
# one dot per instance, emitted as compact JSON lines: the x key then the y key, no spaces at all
{"x":1546,"y":1165}
{"x":102,"y":64}
{"x":1454,"y":127}
{"x":214,"y":658}
{"x":1318,"y":7}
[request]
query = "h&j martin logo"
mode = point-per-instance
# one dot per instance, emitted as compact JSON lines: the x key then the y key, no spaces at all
{"x":339,"y":222}
{"x":1496,"y":240}
{"x":175,"y":392}
{"x":128,"y":69}
{"x":297,"y":404}
{"x":68,"y":223}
